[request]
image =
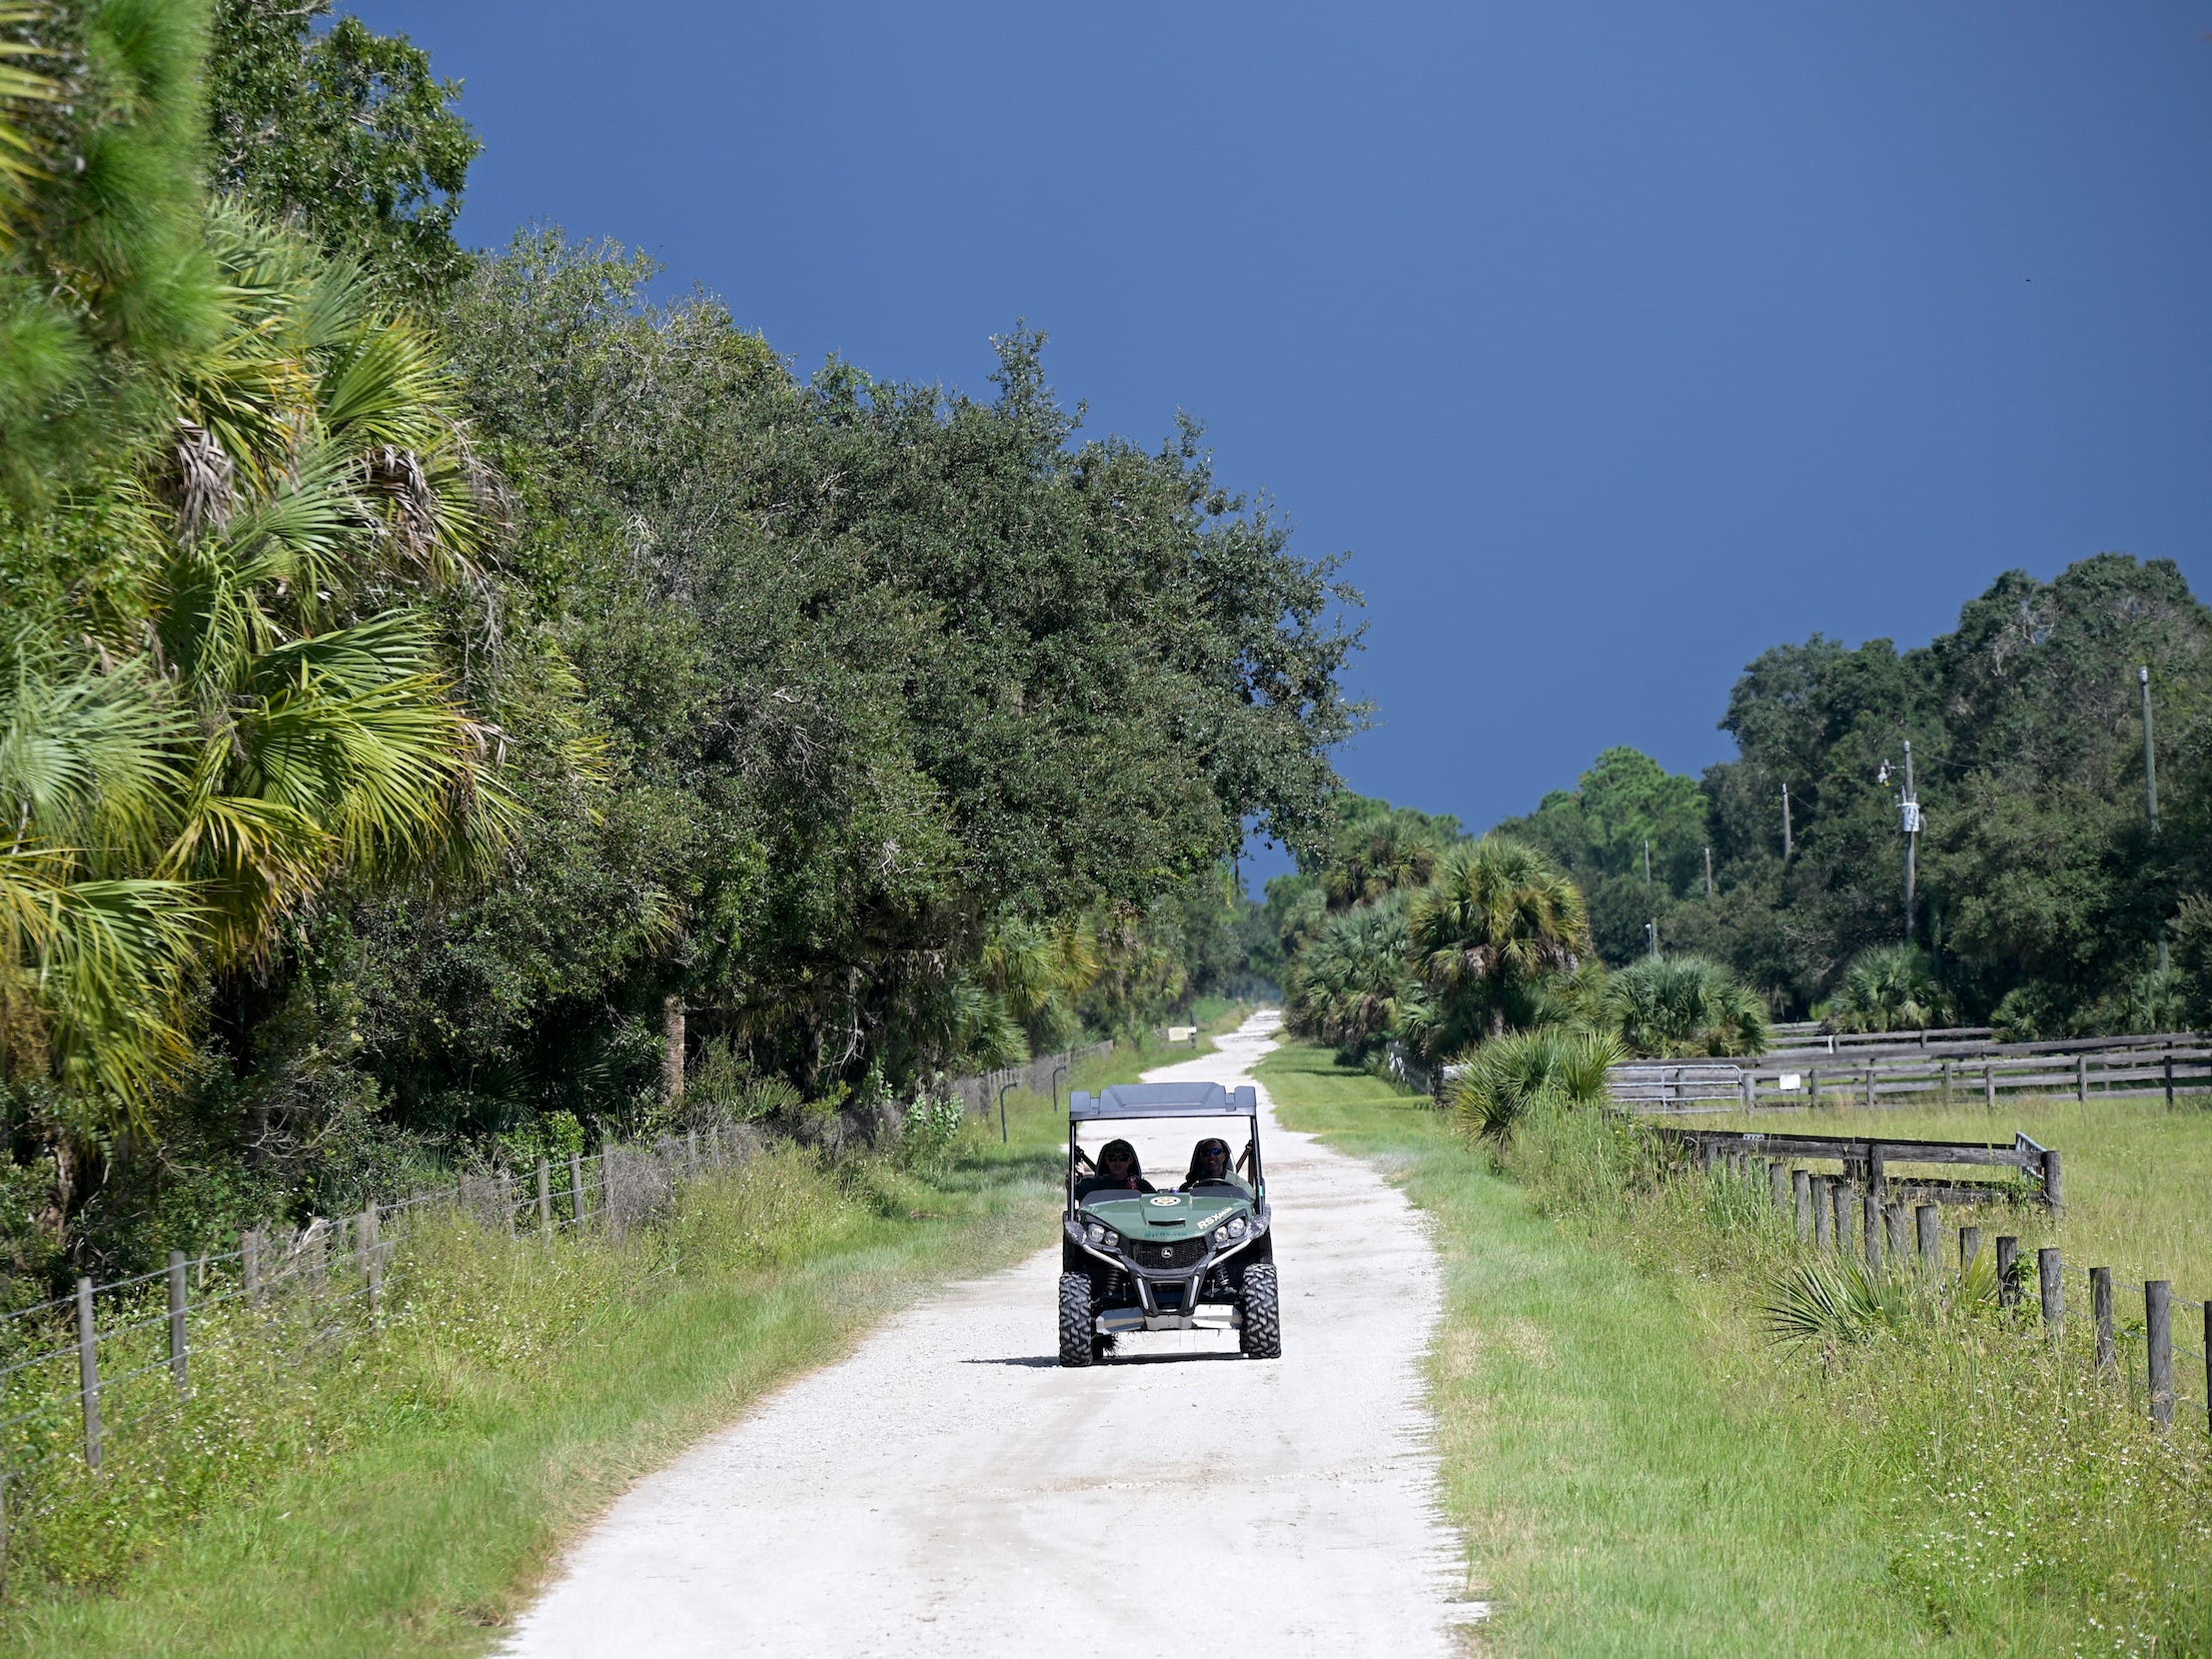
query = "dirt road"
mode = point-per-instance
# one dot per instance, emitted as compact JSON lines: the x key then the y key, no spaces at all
{"x":949,"y":1489}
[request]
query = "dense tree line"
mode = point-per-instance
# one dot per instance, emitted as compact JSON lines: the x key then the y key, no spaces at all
{"x":456,"y":705}
{"x":2043,"y":901}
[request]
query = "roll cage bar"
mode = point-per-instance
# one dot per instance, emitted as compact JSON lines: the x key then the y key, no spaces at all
{"x":1127,"y":1103}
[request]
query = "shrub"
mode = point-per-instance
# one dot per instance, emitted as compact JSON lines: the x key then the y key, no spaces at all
{"x":930,"y":1129}
{"x":1891,"y":987}
{"x":1676,"y":1006}
{"x":1552,"y":1065}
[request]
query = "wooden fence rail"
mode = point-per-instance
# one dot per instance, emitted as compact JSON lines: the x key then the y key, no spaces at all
{"x":1859,"y":1217}
{"x":2118,"y":1069}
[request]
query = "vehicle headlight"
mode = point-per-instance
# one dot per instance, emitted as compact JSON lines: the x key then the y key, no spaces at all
{"x":1095,"y":1233}
{"x":1221,"y":1237}
{"x":1236,"y":1227}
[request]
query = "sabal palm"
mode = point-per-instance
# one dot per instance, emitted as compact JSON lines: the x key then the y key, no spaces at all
{"x":1389,"y":858}
{"x":293,"y":721}
{"x":1345,"y":984}
{"x":1498,"y":917}
{"x":1678,"y":1006}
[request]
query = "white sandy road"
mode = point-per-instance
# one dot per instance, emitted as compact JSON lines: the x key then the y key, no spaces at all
{"x":949,"y":1489}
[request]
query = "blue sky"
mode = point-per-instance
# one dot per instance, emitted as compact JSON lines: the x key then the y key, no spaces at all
{"x":1615,"y":342}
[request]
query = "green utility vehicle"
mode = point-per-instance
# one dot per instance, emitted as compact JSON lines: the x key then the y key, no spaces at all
{"x":1197,"y":1254}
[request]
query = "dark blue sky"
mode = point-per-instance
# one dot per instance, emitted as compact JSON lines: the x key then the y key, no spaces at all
{"x":1618,"y":342}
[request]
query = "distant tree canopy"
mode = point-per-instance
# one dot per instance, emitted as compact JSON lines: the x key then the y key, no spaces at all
{"x":2041,"y":891}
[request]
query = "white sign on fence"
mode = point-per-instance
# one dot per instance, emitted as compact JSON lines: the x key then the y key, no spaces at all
{"x":1790,"y":1083}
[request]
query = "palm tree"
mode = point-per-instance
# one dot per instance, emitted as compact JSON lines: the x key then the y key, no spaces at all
{"x":1681,"y":1006}
{"x":1891,"y":987}
{"x":264,"y":707}
{"x":1389,"y":857}
{"x":1499,"y":918}
{"x":1345,"y":984}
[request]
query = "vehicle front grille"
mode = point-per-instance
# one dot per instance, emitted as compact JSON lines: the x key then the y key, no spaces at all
{"x":1176,"y":1252}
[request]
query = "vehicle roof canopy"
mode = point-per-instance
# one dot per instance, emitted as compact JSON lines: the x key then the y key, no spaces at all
{"x":1163,"y":1100}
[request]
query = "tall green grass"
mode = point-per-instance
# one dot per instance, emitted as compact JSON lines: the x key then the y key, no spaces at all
{"x":1641,"y":1466}
{"x":400,"y":1491}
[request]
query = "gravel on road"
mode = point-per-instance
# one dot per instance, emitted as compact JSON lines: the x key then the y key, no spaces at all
{"x":949,"y":1489}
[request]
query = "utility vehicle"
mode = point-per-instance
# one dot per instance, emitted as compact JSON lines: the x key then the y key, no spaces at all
{"x":1195,"y":1255}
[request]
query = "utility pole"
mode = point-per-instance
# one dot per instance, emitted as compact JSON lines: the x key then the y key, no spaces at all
{"x":1709,"y":872}
{"x":1909,"y":812}
{"x":2150,"y":798}
{"x":1787,"y":849}
{"x":1647,"y":865}
{"x":1651,"y":935}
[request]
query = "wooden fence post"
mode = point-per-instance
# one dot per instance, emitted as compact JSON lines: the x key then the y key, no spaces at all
{"x":1928,"y":1219}
{"x":2081,"y":1078}
{"x":2050,"y":1279}
{"x":178,"y":1338}
{"x":1869,"y":1085}
{"x":1801,"y":1184}
{"x":1777,"y":1185}
{"x":2169,"y":1080}
{"x":1989,"y":1085}
{"x":576,"y":1189}
{"x":1747,"y":1091}
{"x":1813,"y":1082}
{"x":2100,"y":1307}
{"x":88,"y":1371}
{"x":2054,"y":1183}
{"x":1870,"y":1219}
{"x":2158,"y":1328}
{"x":544,"y":1198}
{"x":2009,"y":1270}
{"x":1900,"y":1233}
{"x":1824,"y":1212}
{"x":1947,"y":1082}
{"x":1969,"y":1247}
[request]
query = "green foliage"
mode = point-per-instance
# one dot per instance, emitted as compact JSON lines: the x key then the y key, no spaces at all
{"x":1486,"y":936}
{"x":929,"y":1131}
{"x":1668,"y":1006}
{"x":1345,"y":984}
{"x":344,"y":131}
{"x":1549,"y":1068}
{"x":1891,"y":987}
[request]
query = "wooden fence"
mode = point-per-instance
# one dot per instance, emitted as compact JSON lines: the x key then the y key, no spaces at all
{"x":2170,"y":1067}
{"x":1860,"y":1215}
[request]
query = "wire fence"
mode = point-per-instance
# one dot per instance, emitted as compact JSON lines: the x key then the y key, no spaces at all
{"x":81,"y":1372}
{"x":1860,"y":1219}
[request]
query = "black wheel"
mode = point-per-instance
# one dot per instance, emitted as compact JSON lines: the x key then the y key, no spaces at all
{"x":1261,"y":1335}
{"x":1076,"y":1346}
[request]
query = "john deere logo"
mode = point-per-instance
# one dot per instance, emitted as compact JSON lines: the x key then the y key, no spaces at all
{"x":1168,"y":1200}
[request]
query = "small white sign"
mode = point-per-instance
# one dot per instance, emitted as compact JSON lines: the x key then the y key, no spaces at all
{"x":1790,"y":1082}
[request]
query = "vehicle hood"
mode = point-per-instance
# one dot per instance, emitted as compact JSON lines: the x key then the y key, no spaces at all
{"x":1162,"y":1216}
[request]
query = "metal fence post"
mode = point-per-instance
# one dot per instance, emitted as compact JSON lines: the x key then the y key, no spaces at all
{"x":544,"y":1197}
{"x":2050,"y":1279}
{"x":2158,"y":1328}
{"x":372,"y":1259}
{"x":178,"y":1340}
{"x":2101,"y":1308}
{"x":88,"y":1371}
{"x":576,"y":1189}
{"x":2009,"y":1270}
{"x":1801,"y":1184}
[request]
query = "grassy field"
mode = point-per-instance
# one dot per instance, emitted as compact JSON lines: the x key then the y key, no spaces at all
{"x":2138,"y":1178}
{"x":1638,"y":1470}
{"x":407,"y":1499}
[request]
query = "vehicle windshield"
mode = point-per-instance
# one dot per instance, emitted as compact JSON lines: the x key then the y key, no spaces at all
{"x":1166,"y":1151}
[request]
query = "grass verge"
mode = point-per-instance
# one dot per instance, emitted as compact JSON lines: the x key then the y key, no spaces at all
{"x":406,"y":1495}
{"x":1638,"y":1469}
